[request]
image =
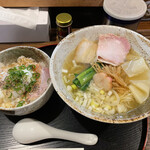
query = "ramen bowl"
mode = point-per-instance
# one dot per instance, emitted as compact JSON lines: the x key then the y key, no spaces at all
{"x":11,"y":55}
{"x":68,"y":44}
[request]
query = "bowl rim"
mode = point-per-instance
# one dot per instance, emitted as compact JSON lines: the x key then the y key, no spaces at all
{"x":70,"y":104}
{"x":49,"y":85}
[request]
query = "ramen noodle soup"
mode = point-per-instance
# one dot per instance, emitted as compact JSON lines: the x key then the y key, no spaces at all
{"x":107,"y":76}
{"x":22,"y":82}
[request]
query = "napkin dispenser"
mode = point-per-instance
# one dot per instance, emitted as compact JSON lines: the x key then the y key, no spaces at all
{"x":11,"y":33}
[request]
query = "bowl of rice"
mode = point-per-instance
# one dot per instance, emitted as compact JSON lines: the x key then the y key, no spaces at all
{"x":103,"y":73}
{"x":25,"y":83}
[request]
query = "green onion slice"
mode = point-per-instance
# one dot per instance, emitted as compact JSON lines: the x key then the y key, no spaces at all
{"x":31,"y":67}
{"x":36,"y":75}
{"x":20,"y":103}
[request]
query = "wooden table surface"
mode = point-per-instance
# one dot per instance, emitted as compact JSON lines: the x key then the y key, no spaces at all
{"x":50,"y":3}
{"x":143,"y":28}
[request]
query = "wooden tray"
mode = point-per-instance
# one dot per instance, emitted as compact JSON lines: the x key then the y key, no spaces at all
{"x":56,"y":113}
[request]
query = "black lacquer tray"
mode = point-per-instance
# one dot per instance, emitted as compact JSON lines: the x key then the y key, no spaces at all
{"x":56,"y":113}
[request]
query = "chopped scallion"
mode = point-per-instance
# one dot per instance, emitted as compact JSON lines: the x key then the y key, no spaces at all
{"x":17,"y":79}
{"x":20,"y":103}
{"x":31,"y":67}
{"x":10,"y":95}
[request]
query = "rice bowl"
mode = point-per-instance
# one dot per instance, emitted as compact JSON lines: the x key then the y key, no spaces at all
{"x":21,"y":72}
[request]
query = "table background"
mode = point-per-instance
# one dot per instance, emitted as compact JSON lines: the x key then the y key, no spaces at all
{"x":85,"y":19}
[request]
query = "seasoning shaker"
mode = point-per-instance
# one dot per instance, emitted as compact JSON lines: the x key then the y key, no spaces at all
{"x":64,"y":22}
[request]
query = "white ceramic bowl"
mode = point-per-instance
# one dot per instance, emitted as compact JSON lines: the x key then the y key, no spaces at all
{"x":68,"y":44}
{"x":10,"y":55}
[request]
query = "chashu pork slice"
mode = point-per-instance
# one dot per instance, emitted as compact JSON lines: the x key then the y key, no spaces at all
{"x":42,"y":84}
{"x":85,"y":51}
{"x":112,"y":49}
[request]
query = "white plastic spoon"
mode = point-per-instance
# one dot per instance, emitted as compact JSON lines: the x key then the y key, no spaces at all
{"x":29,"y":130}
